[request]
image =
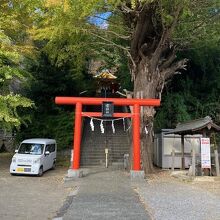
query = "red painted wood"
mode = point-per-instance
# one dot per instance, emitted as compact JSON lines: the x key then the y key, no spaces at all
{"x":99,"y":101}
{"x":77,"y":136}
{"x":136,"y":138}
{"x":115,"y":115}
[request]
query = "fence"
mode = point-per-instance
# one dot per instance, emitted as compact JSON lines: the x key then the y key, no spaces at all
{"x":195,"y":168}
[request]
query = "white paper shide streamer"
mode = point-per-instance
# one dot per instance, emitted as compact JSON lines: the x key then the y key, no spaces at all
{"x":112,"y":124}
{"x":124,"y":123}
{"x":146,"y":131}
{"x":113,"y":127}
{"x":92,"y":124}
{"x":102,"y":127}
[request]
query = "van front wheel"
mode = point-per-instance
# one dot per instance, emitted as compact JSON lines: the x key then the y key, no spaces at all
{"x":40,"y":173}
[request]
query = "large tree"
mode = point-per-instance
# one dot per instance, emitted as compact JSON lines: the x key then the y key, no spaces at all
{"x":150,"y":32}
{"x":159,"y":30}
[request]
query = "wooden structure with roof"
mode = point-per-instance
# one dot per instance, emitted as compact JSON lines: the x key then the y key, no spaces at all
{"x":105,"y":74}
{"x":107,"y":84}
{"x":204,"y":126}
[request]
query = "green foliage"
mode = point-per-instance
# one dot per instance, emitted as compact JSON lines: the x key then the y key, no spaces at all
{"x":59,"y":127}
{"x":199,"y":24}
{"x":48,"y":120}
{"x":49,"y":81}
{"x":61,"y":25}
{"x":205,"y":87}
{"x":197,"y":90}
{"x":11,"y":70}
{"x":124,"y":78}
{"x":173,"y":111}
{"x":9,"y":105}
{"x":10,"y":60}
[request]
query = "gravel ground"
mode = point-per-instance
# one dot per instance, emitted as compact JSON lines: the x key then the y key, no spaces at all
{"x":30,"y":197}
{"x":168,"y":198}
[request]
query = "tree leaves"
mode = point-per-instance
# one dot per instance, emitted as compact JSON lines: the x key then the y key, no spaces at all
{"x":199,"y":24}
{"x":12,"y":50}
{"x":9,"y":105}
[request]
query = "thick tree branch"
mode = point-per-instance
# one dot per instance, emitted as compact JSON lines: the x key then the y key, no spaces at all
{"x":142,"y":32}
{"x":168,"y":60}
{"x":173,"y":69}
{"x":125,"y":9}
{"x":165,"y":38}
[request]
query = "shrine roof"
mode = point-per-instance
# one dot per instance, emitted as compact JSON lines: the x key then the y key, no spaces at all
{"x":195,"y":126}
{"x":105,"y":74}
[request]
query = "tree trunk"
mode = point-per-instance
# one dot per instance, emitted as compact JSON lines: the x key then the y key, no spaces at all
{"x":152,"y":61}
{"x":146,"y":85}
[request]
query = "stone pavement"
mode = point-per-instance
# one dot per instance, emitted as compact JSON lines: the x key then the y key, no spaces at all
{"x":103,"y":194}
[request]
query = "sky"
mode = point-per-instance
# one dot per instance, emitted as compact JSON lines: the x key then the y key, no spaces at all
{"x":100,"y":20}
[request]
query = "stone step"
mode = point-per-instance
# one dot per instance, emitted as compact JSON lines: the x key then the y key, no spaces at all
{"x":94,"y":142}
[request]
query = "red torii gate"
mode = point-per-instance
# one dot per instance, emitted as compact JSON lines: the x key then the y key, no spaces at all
{"x":79,"y":101}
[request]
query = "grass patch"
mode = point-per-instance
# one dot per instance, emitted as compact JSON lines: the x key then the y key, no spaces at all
{"x":6,"y":155}
{"x":63,"y":161}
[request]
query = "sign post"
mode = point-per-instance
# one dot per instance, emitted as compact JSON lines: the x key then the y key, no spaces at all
{"x":106,"y":157}
{"x":205,"y":153}
{"x":107,"y":109}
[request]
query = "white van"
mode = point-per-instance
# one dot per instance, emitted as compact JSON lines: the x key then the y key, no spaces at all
{"x":34,"y":156}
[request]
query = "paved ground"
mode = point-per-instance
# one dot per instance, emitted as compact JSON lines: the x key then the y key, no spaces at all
{"x":105,"y":195}
{"x":28,"y":197}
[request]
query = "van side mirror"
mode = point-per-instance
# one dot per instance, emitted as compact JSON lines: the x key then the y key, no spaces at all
{"x":47,"y":153}
{"x":16,"y":151}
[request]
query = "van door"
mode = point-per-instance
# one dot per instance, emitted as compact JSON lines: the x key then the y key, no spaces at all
{"x":47,"y":158}
{"x":52,"y":154}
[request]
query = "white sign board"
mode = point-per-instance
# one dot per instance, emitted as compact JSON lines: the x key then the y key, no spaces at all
{"x":205,"y":153}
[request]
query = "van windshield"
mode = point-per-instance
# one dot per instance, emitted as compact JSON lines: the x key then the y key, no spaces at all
{"x":28,"y":148}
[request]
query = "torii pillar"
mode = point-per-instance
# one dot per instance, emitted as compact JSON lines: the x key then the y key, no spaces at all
{"x":80,"y":101}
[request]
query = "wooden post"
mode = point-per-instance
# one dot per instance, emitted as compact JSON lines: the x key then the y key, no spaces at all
{"x":182,"y":152}
{"x":77,"y":136}
{"x":142,"y":107}
{"x":193,"y":162}
{"x":173,"y":159}
{"x":217,"y":163}
{"x":136,"y":139}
